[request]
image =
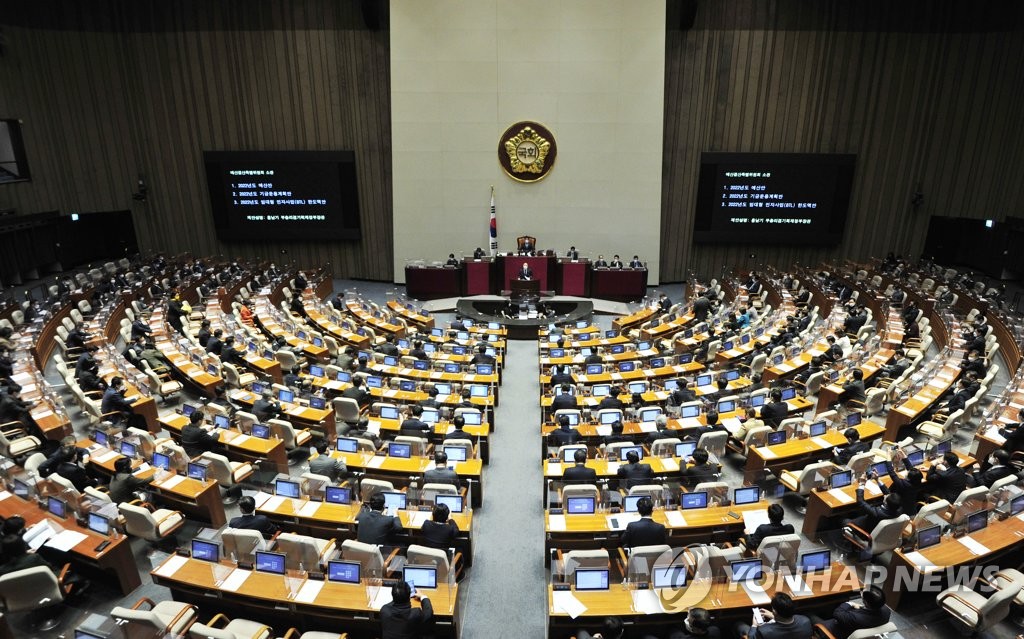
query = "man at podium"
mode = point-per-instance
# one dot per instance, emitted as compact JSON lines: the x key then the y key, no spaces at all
{"x":525,"y":273}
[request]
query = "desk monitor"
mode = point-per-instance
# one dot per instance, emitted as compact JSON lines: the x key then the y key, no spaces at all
{"x":746,"y":570}
{"x":817,"y":429}
{"x":643,"y":346}
{"x":649,"y":415}
{"x":407,"y":385}
{"x":687,"y":412}
{"x":610,"y":333}
{"x":833,"y":376}
{"x":745,"y":339}
{"x":788,"y":394}
{"x":629,"y":504}
{"x":758,"y":332}
{"x":21,"y":489}
{"x":942,"y":448}
{"x":685,"y":358}
{"x":816,"y":561}
{"x":880,"y":468}
{"x":726,"y":406}
{"x":618,"y":349}
{"x":338,"y":495}
{"x":778,"y":359}
{"x":472,"y":418}
{"x":421,"y":365}
{"x":454,"y":502}
{"x":484,"y":369}
{"x":268,"y":354}
{"x":251,"y":346}
{"x":672,"y":385}
{"x":591,"y":578}
{"x":580,"y":506}
{"x":347,"y":445}
{"x":493,"y":326}
{"x":271,"y":562}
{"x":928,"y":537}
{"x":975,"y":522}
{"x":100,"y":437}
{"x":205,"y":550}
{"x":257,"y":388}
{"x":704,"y":380}
{"x":746,"y":495}
{"x":626,"y":450}
{"x":420,"y":576}
{"x":389,"y":412}
{"x":656,"y":362}
{"x":260,"y":430}
{"x":569,"y":454}
{"x":196,"y":471}
{"x":586,"y":352}
{"x":213,"y":370}
{"x":98,"y":523}
{"x":691,"y":501}
{"x":600,"y":390}
{"x":455,"y":453}
{"x":853,"y":419}
{"x":574,"y":418}
{"x":317,"y":403}
{"x":188,"y":409}
{"x":84,"y":634}
{"x":688,"y":333}
{"x":443,"y":388}
{"x":1017,"y":505}
{"x":430,"y":416}
{"x":401,"y":342}
{"x":286,"y":396}
{"x":684,"y":450}
{"x":458,"y":350}
{"x":841,"y":479}
{"x":727,"y":346}
{"x":757,"y":401}
{"x":346,"y":572}
{"x":318,"y":342}
{"x":437,"y":332}
{"x":343,"y":376}
{"x":673,"y":576}
{"x":394,"y":501}
{"x":610,"y":417}
{"x":374,"y":381}
{"x":316,"y":371}
{"x":301,"y":334}
{"x":390,"y":360}
{"x":776,"y":437}
{"x":221,"y":421}
{"x":286,"y":488}
{"x":398,"y":449}
{"x":128,"y":449}
{"x":595,"y":369}
{"x":732,"y":375}
{"x":161,"y":460}
{"x":637,"y":387}
{"x":556,"y":352}
{"x":479,"y":390}
{"x":915,"y":455}
{"x":57,"y":507}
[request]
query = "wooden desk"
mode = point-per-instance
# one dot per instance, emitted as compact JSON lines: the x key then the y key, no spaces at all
{"x":267,"y":599}
{"x":383,"y":324}
{"x":797,"y":453}
{"x":335,"y":330}
{"x":794,"y":365}
{"x":237,"y":445}
{"x":398,"y":470}
{"x":115,"y":561}
{"x":266,"y":321}
{"x":634,"y":319}
{"x":316,"y":419}
{"x":667,"y":329}
{"x":49,"y":416}
{"x":912,"y":408}
{"x":423,"y":322}
{"x":828,"y":395}
{"x":166,"y":341}
{"x":636,"y":375}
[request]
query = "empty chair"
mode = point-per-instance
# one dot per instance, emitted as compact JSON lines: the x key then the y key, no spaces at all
{"x":232,"y":629}
{"x":779,"y":550}
{"x":714,"y":443}
{"x":417,"y":445}
{"x":303,"y":552}
{"x":178,"y":457}
{"x":601,"y":415}
{"x":580,"y":490}
{"x":430,"y":491}
{"x":640,"y":562}
{"x":162,"y":382}
{"x":225,"y":471}
{"x":655,"y":491}
{"x":241,"y":544}
{"x":142,"y":520}
{"x":718,"y":491}
{"x":940,"y":431}
{"x":665,"y":447}
{"x":806,"y":480}
{"x":465,"y":444}
{"x":574,"y":559}
{"x":885,"y":536}
{"x":235,"y":378}
{"x":36,"y":591}
{"x":14,"y":443}
{"x":346,"y":410}
{"x":974,"y":611}
{"x":371,"y":562}
{"x":289,"y":361}
{"x":161,"y":619}
{"x":291,"y":437}
{"x":711,"y":560}
{"x":369,"y":486}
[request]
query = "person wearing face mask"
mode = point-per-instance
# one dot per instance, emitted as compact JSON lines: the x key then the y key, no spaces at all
{"x":998,"y":466}
{"x":697,"y":625}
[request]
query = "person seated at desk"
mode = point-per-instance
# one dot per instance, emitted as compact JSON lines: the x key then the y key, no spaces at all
{"x":440,"y":473}
{"x":616,"y":262}
{"x":77,"y":337}
{"x":854,"y":446}
{"x":635,"y":473}
{"x":361,"y":431}
{"x":853,"y":390}
{"x":231,"y":355}
{"x":833,"y":352}
{"x":15,"y":409}
{"x":612,"y":400}
{"x":645,"y":531}
{"x":66,"y":462}
{"x":561,"y":375}
{"x":1014,"y":434}
{"x":413,"y":425}
{"x":600,"y":262}
{"x":635,"y":262}
{"x":388,"y":347}
{"x":594,"y":358}
{"x":781,"y":622}
{"x":701,"y":470}
{"x":215,"y":344}
{"x":324,"y":464}
{"x":748,"y":422}
{"x":611,"y":628}
{"x":481,"y":356}
{"x":890,"y":508}
{"x":358,"y":393}
{"x":974,"y":363}
{"x":900,"y":362}
{"x":417,"y":351}
{"x":998,"y":466}
{"x":347,"y":356}
{"x":195,"y":439}
{"x":711,"y":425}
{"x":17,"y":556}
{"x":399,"y":620}
{"x":617,"y":433}
{"x":451,"y":260}
{"x":90,"y":380}
{"x":572,"y":253}
{"x":578,"y":473}
{"x":696,"y":625}
{"x":265,"y":407}
{"x":776,"y":410}
{"x":249,"y":520}
{"x":775,"y":526}
{"x":478,"y":253}
{"x":458,"y":424}
{"x":946,"y":480}
{"x":722,"y":389}
{"x":565,"y":400}
{"x":466,"y":398}
{"x":564,"y":434}
{"x":957,"y":400}
{"x":440,"y":530}
{"x":114,"y":401}
{"x":848,"y":617}
{"x":682,"y":394}
{"x":908,"y":488}
{"x":373,"y":526}
{"x":662,"y":431}
{"x":124,"y":485}
{"x":525,"y":272}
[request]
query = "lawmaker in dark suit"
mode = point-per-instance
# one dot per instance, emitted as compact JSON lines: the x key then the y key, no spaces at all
{"x":1014,"y":434}
{"x":440,"y":473}
{"x":565,"y":400}
{"x":373,"y":526}
{"x":946,"y":480}
{"x":701,"y":306}
{"x":850,"y":617}
{"x":572,"y":253}
{"x":525,"y":273}
{"x":772,"y":528}
{"x":564,"y":434}
{"x":194,"y":438}
{"x":123,"y":485}
{"x":612,"y":400}
{"x":440,"y":530}
{"x":579,"y":473}
{"x":251,"y":521}
{"x":399,"y":620}
{"x":635,"y":473}
{"x":998,"y":467}
{"x":853,"y":390}
{"x":909,"y":488}
{"x":358,"y":393}
{"x":775,"y":411}
{"x":645,"y":531}
{"x":413,"y":425}
{"x":701,"y":471}
{"x":888,"y":509}
{"x":855,"y":446}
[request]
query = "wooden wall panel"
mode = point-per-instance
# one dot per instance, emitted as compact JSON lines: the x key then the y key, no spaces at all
{"x":123,"y":88}
{"x":925,"y":94}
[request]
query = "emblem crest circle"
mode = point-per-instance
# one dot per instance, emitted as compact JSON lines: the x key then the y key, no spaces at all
{"x":527,"y":151}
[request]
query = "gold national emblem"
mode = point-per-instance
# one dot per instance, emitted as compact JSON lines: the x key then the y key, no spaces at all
{"x":527,"y":151}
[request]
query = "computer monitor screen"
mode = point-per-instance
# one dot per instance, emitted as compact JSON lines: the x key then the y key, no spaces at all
{"x":684,"y":450}
{"x":600,"y":390}
{"x":272,"y":562}
{"x":316,"y":371}
{"x":463,"y":334}
{"x":977,"y":521}
{"x":85,"y":634}
{"x":21,"y":489}
{"x":213,"y":370}
{"x":493,"y":326}
{"x":686,"y":358}
{"x":746,"y":570}
{"x":421,"y":365}
{"x":672,"y":385}
{"x":454,"y":502}
{"x":394,"y":500}
{"x":916,"y":457}
{"x":591,"y":579}
{"x":669,"y":576}
{"x":128,"y":449}
{"x":580,"y":505}
{"x":196,"y":471}
{"x":727,"y":406}
{"x":286,"y":488}
{"x":99,"y":524}
{"x":626,"y":450}
{"x":343,"y":376}
{"x":346,"y":572}
{"x":257,"y":388}
{"x":610,"y":417}
{"x":556,"y":352}
{"x":396,"y":449}
{"x":57,"y":507}
{"x":221,"y":421}
{"x":347,"y":445}
{"x":455,"y":453}
{"x":420,"y":576}
{"x":657,"y":362}
{"x":389,"y":412}
{"x":301,"y":334}
{"x":704,"y":380}
{"x":853,"y":419}
{"x":637,"y":387}
{"x":472,"y":418}
{"x":757,"y":401}
{"x":927,"y":537}
{"x":443,"y":388}
{"x":842,"y":479}
{"x":160,"y":460}
{"x":727,"y":346}
{"x":746,"y":495}
{"x":687,"y":412}
{"x":788,"y":394}
{"x":205,"y":550}
{"x":407,"y":385}
{"x":452,"y":367}
{"x":374,"y":382}
{"x":318,"y":342}
{"x":188,"y":409}
{"x":390,"y":360}
{"x":745,"y":338}
{"x":610,"y":333}
{"x":586,"y":351}
{"x":943,"y":447}
{"x":478,"y":390}
{"x":815,"y":561}
{"x":268,"y":354}
{"x":437,"y":332}
{"x":430,"y":416}
{"x":260,"y":430}
{"x":338,"y":495}
{"x":776,"y":437}
{"x":648,"y":415}
{"x":817,"y":429}
{"x":778,"y":359}
{"x":732,"y":375}
{"x":317,"y":403}
{"x":643,"y":346}
{"x":569,"y":454}
{"x":286,"y":396}
{"x":594,"y":369}
{"x":618,"y":348}
{"x":690,"y":501}
{"x":428,"y":349}
{"x":100,"y":437}
{"x":880,"y":468}
{"x":629,"y":504}
{"x":1017,"y":505}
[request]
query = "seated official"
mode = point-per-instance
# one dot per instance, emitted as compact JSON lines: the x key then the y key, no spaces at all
{"x":478,"y":253}
{"x":195,"y":439}
{"x":612,"y":400}
{"x":413,"y":425}
{"x":440,"y":473}
{"x":946,"y":480}
{"x":848,"y":617}
{"x":458,"y":424}
{"x":853,"y":390}
{"x":890,"y":508}
{"x":775,"y":526}
{"x":908,"y":488}
{"x":616,"y":262}
{"x":697,"y":625}
{"x":389,"y":347}
{"x":645,"y":531}
{"x":775,"y":411}
{"x":633,"y":472}
{"x":748,"y":422}
{"x":701,"y":470}
{"x":572,"y":253}
{"x":124,"y":485}
{"x":561,"y":375}
{"x":998,"y":467}
{"x":451,"y":260}
{"x":431,"y":400}
{"x":579,"y":473}
{"x":358,"y":393}
{"x":564,"y":434}
{"x":249,"y":520}
{"x":373,"y":526}
{"x":617,"y":434}
{"x":565,"y":400}
{"x":482,"y":357}
{"x":417,"y":351}
{"x":324,"y":464}
{"x":265,"y":407}
{"x":635,"y":262}
{"x":440,"y":530}
{"x":611,"y":628}
{"x":1014,"y":434}
{"x":854,"y":446}
{"x":781,"y":622}
{"x":399,"y":620}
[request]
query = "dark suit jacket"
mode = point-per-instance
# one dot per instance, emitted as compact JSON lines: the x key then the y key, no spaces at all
{"x":645,"y":532}
{"x":254,"y":522}
{"x":526,"y":275}
{"x":991,"y":475}
{"x":197,"y":441}
{"x":636,"y":474}
{"x":374,"y":527}
{"x":441,"y":476}
{"x":1014,"y":435}
{"x":846,"y":619}
{"x":800,"y":628}
{"x":564,"y":402}
{"x":767,"y":530}
{"x":772,"y":414}
{"x":699,"y":473}
{"x":559,"y":437}
{"x":872,"y":513}
{"x":946,"y":484}
{"x":610,"y":402}
{"x":440,"y":535}
{"x":846,"y":453}
{"x":404,"y":621}
{"x":580,"y":473}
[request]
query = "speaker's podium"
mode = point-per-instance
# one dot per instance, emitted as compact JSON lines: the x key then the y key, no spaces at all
{"x":524,"y":288}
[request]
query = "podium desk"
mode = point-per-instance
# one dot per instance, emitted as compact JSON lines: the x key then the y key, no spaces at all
{"x":509,"y":266}
{"x":433,"y":282}
{"x":476,"y":276}
{"x":574,"y":277}
{"x":621,"y":284}
{"x":524,"y":288}
{"x":316,"y":605}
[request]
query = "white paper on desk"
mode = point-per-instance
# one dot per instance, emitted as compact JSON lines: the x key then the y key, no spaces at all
{"x":236,"y":579}
{"x":309,"y":509}
{"x":669,"y":465}
{"x":172,"y":481}
{"x":613,"y":468}
{"x":732,"y":424}
{"x":620,"y":521}
{"x":975,"y":547}
{"x":821,"y":442}
{"x":1020,"y":516}
{"x":604,"y":430}
{"x":648,"y":427}
{"x":261,"y":498}
{"x":107,"y":456}
{"x":239,"y":439}
{"x":143,"y":467}
{"x":23,"y":379}
{"x":4,"y":494}
{"x":675,"y":519}
{"x":647,"y":602}
{"x":937,"y":383}
{"x":798,"y":587}
{"x":754,"y":518}
{"x":757,"y":595}
{"x":921,"y":562}
{"x":308,"y":592}
{"x":841,"y":496}
{"x":273,"y":503}
{"x":41,"y":414}
{"x":376,"y":461}
{"x":171,"y":566}
{"x":565,"y":601}
{"x":381,"y":599}
{"x":39,"y":534}
{"x":872,"y":488}
{"x":766,"y":452}
{"x":373,"y":426}
{"x":556,"y":523}
{"x":391,"y":392}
